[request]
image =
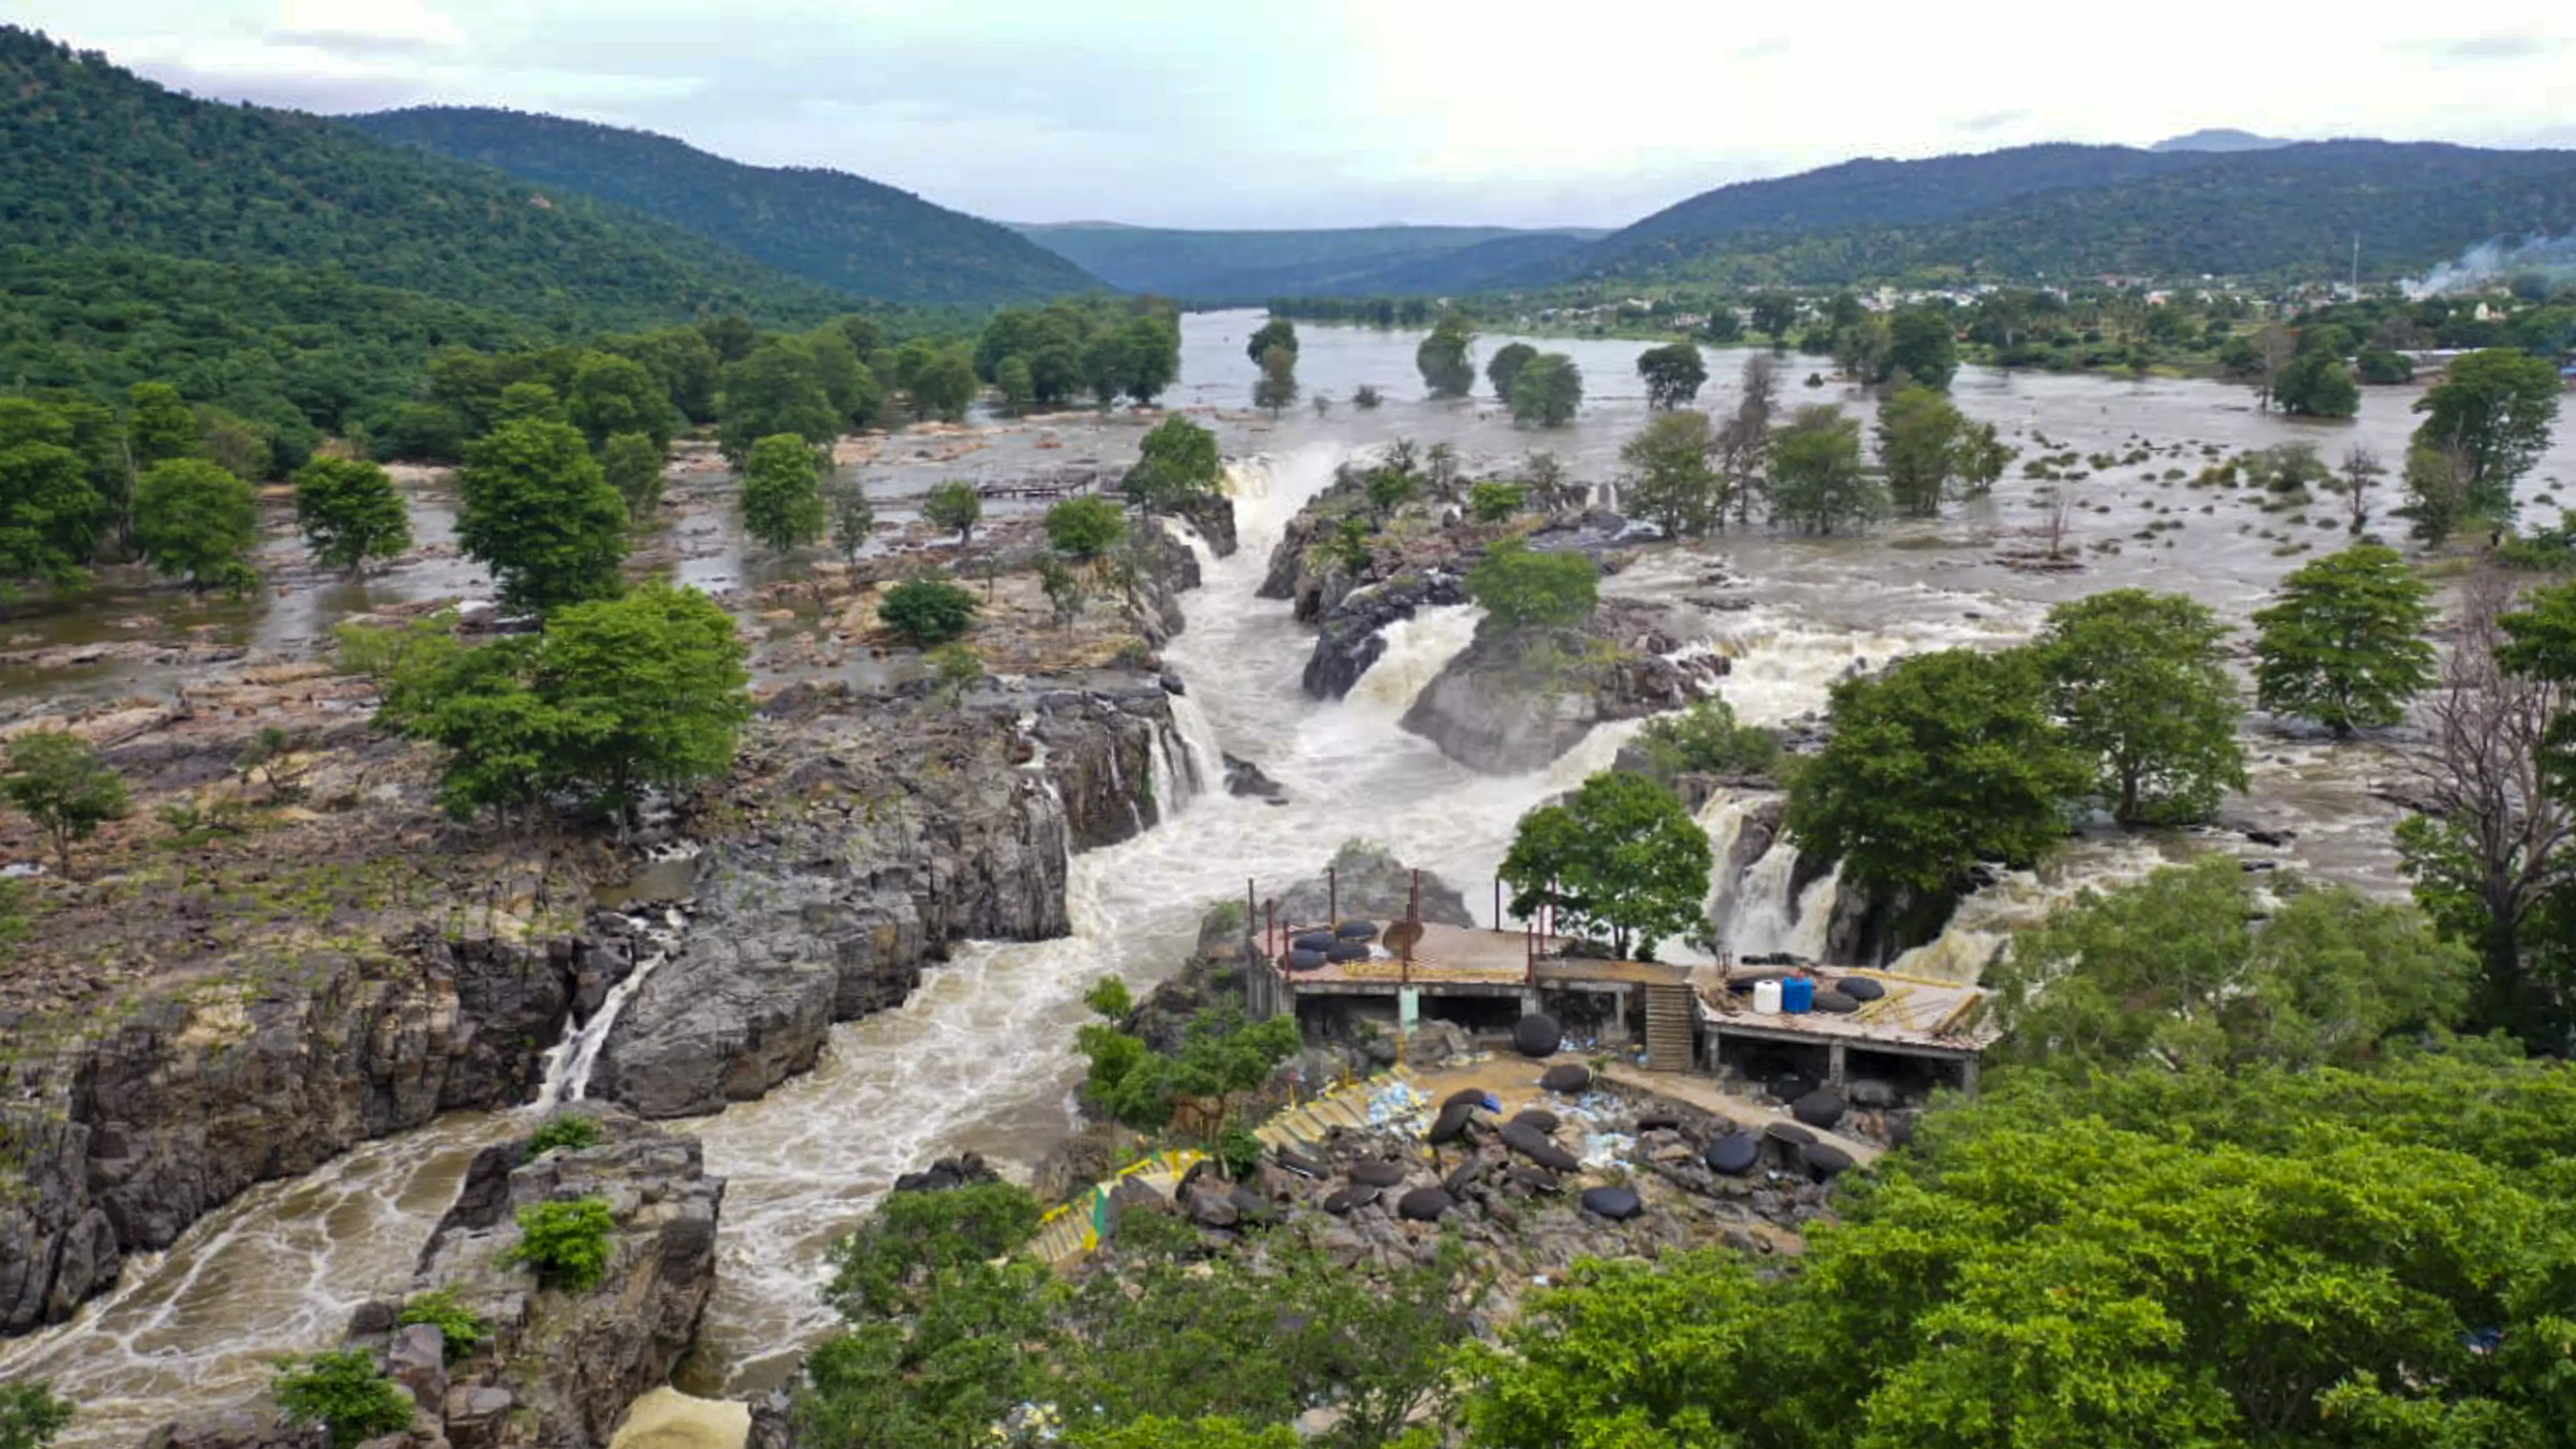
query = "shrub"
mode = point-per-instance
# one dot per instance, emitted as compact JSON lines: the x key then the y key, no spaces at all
{"x":462,"y":1329}
{"x":568,"y":1132}
{"x":927,"y":611}
{"x":1085,"y":527}
{"x":1493,"y":502}
{"x":1367,"y":398}
{"x":566,"y":1242}
{"x":954,"y":507}
{"x":31,"y":1414}
{"x":1524,"y":588}
{"x":1705,"y":739}
{"x":345,"y":1393}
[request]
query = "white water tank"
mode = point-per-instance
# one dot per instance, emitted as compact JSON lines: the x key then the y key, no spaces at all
{"x":1766,"y":997}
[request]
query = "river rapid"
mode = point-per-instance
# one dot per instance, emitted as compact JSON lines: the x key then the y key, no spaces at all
{"x":981,"y":1057}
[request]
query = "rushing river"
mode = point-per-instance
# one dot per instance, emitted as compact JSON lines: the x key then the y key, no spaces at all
{"x":981,"y":1057}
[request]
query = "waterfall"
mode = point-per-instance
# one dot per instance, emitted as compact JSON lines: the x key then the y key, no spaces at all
{"x":1168,"y":795}
{"x":1723,"y":818}
{"x":1201,"y":754}
{"x":1417,"y":649}
{"x":1764,"y":913}
{"x":1816,"y":915}
{"x":569,"y":1065}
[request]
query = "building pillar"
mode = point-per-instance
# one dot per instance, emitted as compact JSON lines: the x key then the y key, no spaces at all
{"x":1968,"y":1076}
{"x":1834,"y":1057}
{"x":1619,"y":1013}
{"x":1716,"y":1052}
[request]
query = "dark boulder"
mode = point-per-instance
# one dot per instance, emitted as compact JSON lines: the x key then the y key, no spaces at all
{"x":1356,"y":931}
{"x":1533,"y":1144}
{"x":1733,"y":1154}
{"x":1567,"y":1077}
{"x":1424,"y":1205}
{"x":1307,"y":960}
{"x":1348,"y":951}
{"x":1465,"y":1174}
{"x":1344,"y":1200}
{"x":1312,"y":940}
{"x":1297,"y":1162}
{"x":1531,"y":1179}
{"x":1819,"y":1108}
{"x":1861,"y":988}
{"x":1537,"y":1035}
{"x":1471,"y":1097}
{"x":1790,"y":1133}
{"x":1824,"y":1159}
{"x":1538,"y":1117}
{"x":1377,"y":1174}
{"x":1451,"y":1124}
{"x":1617,"y":1204}
{"x":1789,"y":1086}
{"x":1835,"y":1003}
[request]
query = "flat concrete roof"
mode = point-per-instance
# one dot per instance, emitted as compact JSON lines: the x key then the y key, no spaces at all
{"x":1472,"y":961}
{"x":1918,"y":1015}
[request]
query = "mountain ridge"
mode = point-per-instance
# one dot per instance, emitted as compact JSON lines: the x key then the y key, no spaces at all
{"x":829,"y":227}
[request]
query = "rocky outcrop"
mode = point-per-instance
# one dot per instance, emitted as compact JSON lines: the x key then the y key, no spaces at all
{"x":193,"y":1096}
{"x":559,"y":1365}
{"x":1514,"y":701}
{"x":1213,"y":518}
{"x":1352,"y":635}
{"x":873,"y":855}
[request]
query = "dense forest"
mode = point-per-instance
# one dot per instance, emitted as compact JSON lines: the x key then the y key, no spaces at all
{"x":1244,"y":266}
{"x":841,"y":231}
{"x":2080,"y":210}
{"x":92,"y":156}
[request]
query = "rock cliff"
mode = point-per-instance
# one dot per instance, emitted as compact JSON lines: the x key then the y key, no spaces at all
{"x":1513,"y":701}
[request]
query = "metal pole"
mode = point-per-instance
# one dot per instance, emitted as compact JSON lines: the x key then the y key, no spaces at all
{"x":1498,"y":903}
{"x":1250,"y":910}
{"x":1332,"y":897}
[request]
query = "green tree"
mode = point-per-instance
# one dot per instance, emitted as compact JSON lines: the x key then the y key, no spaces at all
{"x":1673,"y":373}
{"x":2137,"y":682}
{"x":194,"y":519}
{"x":59,"y":781}
{"x":1921,"y":345}
{"x":1816,"y":481}
{"x":2437,"y":485}
{"x":946,"y":387}
{"x":612,"y":395}
{"x":1151,"y":355}
{"x":832,"y":355}
{"x":2184,"y":970}
{"x":1065,"y":589}
{"x":1548,"y":391}
{"x":632,"y":465}
{"x":158,"y":424}
{"x":528,"y":401}
{"x":1494,"y":501}
{"x":1669,"y":479}
{"x":652,"y":690}
{"x":1085,"y":528}
{"x":853,"y":517}
{"x":2343,"y":644}
{"x":1276,"y":391}
{"x":1444,"y":359}
{"x":1277,"y":332}
{"x":2381,"y":367}
{"x":1520,"y":587}
{"x":350,"y":512}
{"x":774,"y":390}
{"x":48,"y":515}
{"x":1706,"y":740}
{"x":1017,"y":384}
{"x":566,"y":1243}
{"x":2317,"y":385}
{"x":31,"y":1415}
{"x":2492,"y":410}
{"x":539,"y":513}
{"x":954,"y":505}
{"x":1945,"y":760}
{"x":1923,"y":446}
{"x":1221,"y":1056}
{"x":928,"y":611}
{"x":1504,"y":368}
{"x":1622,"y":864}
{"x":460,"y":1329}
{"x":1775,"y":313}
{"x":782,"y":498}
{"x":345,"y":1393}
{"x":1176,"y":466}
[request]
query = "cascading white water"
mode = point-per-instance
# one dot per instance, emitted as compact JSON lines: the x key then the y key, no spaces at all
{"x":1815,"y":916}
{"x":1766,"y":914}
{"x":1722,"y":816}
{"x":1201,"y":753}
{"x":1417,"y":649}
{"x":569,"y":1065}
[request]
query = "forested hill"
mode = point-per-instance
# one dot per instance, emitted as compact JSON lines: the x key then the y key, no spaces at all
{"x":829,"y":227}
{"x":2083,"y":210}
{"x":1241,"y":266}
{"x":93,"y":157}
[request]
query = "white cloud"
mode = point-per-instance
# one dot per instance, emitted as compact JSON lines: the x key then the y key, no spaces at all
{"x":1315,"y":112}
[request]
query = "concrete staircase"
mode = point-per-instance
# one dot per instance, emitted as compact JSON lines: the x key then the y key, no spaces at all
{"x":1669,"y":1028}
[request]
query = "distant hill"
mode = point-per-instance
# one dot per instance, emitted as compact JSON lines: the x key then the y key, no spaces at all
{"x":1249,"y":266}
{"x":2218,"y":138}
{"x":94,"y":157}
{"x":828,"y":227}
{"x":2084,"y":210}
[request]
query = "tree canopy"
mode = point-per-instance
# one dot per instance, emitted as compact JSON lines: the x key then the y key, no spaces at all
{"x":540,"y":514}
{"x":1673,"y":373}
{"x":2343,"y":642}
{"x":2492,"y":410}
{"x":1521,"y":587}
{"x":199,"y":521}
{"x":1177,"y":465}
{"x":1816,"y":481}
{"x":1547,"y":391}
{"x":2137,"y":682}
{"x":350,"y":512}
{"x":1443,"y":358}
{"x":782,"y":493}
{"x":1622,"y":864}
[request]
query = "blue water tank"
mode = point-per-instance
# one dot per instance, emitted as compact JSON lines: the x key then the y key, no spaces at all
{"x":1798,"y":993}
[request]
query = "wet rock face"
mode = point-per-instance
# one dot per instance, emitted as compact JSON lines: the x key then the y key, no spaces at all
{"x":188,"y":1101}
{"x":1352,"y":635}
{"x":560,"y":1365}
{"x":1512,"y":702}
{"x":830,"y":911}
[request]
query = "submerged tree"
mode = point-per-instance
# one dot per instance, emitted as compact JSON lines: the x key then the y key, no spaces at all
{"x":1673,"y":373}
{"x":1504,"y":368}
{"x":1448,"y":369}
{"x":2137,"y":681}
{"x":1548,"y":391}
{"x":782,"y":500}
{"x":2344,"y":644}
{"x":350,"y":512}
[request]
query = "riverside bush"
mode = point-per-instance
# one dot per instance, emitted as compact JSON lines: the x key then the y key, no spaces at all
{"x":460,"y":1328}
{"x":345,"y":1393}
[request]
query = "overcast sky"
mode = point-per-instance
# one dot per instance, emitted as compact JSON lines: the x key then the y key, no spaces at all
{"x":1352,"y":112}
